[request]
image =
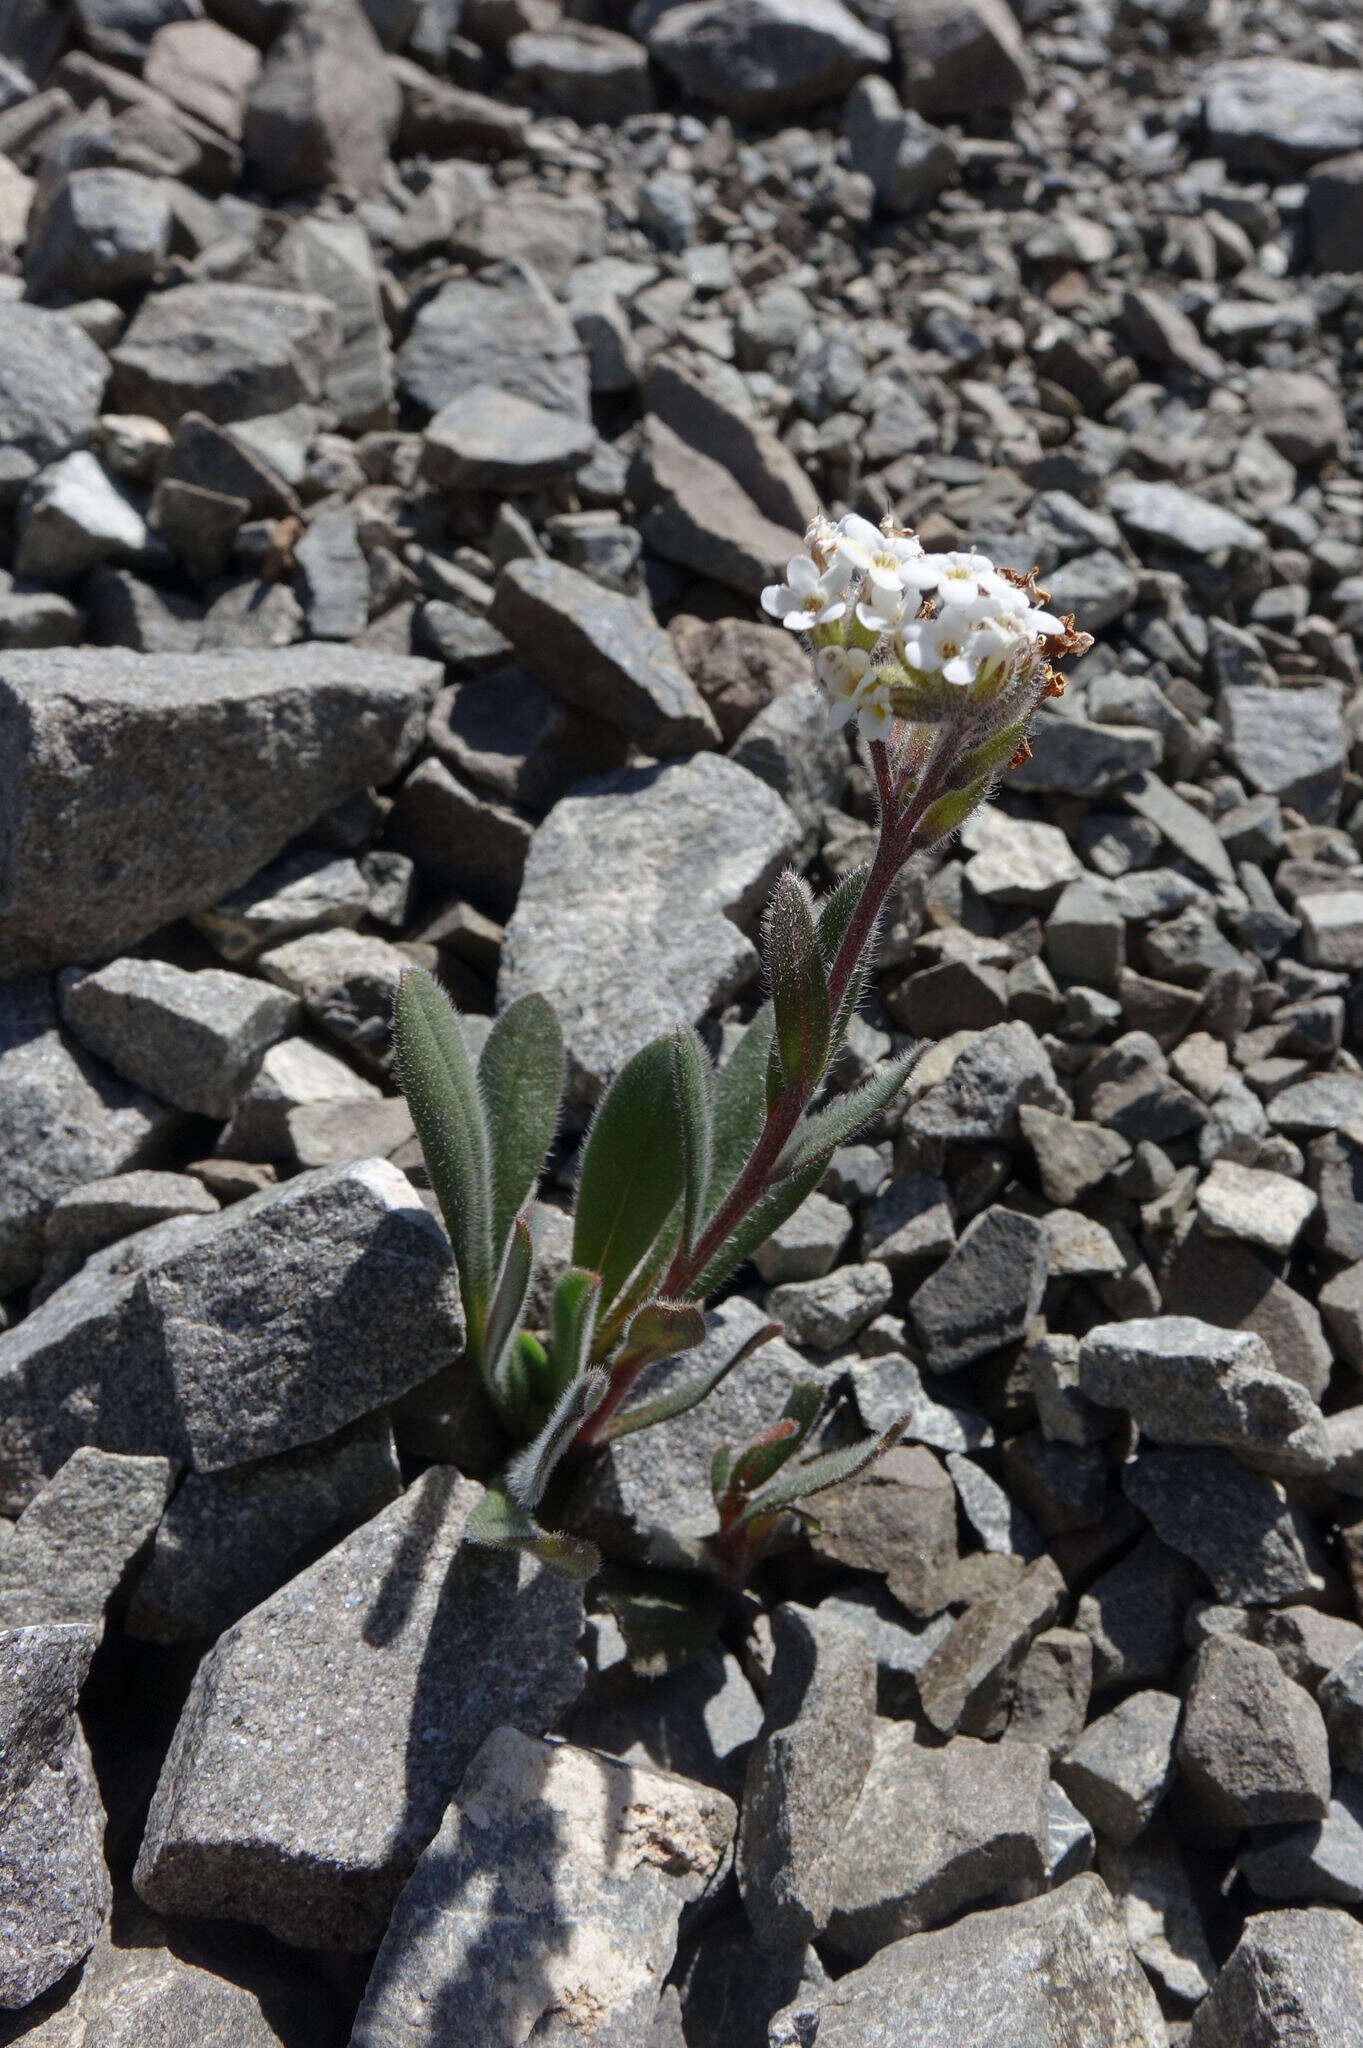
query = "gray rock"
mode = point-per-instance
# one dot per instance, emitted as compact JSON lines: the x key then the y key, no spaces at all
{"x":804,"y":1774}
{"x":300,"y":892}
{"x":701,"y":412}
{"x":191,"y":1038}
{"x":1237,"y":1525}
{"x":221,"y":1339}
{"x":757,"y":58}
{"x":1299,"y":414}
{"x":1267,"y":1209}
{"x":897,"y":1518}
{"x":1152,"y":1893}
{"x":201,"y":767}
{"x":64,"y":1120}
{"x":1072,"y":756}
{"x":986,"y":1293}
{"x":960,"y":60}
{"x":505,"y":322}
{"x":324,"y":108}
{"x":1335,"y":212}
{"x":889,"y":1388}
{"x":805,"y":1246}
{"x":910,"y":1220}
{"x":824,"y":1314}
{"x":127,"y":1997}
{"x":327,"y":1731}
{"x":1341,"y":1698}
{"x":1296,"y":1976}
{"x":648,"y":1496}
{"x":695,"y":512}
{"x":54,"y":1888}
{"x":1269,"y":114}
{"x":1051,"y":1361}
{"x":1070,"y":1842}
{"x":1014,"y":1977}
{"x":590,"y":73}
{"x":346,"y":981}
{"x":100,"y":1212}
{"x":1052,"y":1695}
{"x":1072,"y":1157}
{"x":549,"y":1898}
{"x":1016,"y":860}
{"x":1119,"y":1770}
{"x":333,"y":257}
{"x":1183,"y":1381}
{"x":1297,"y":757}
{"x":1318,"y":1105}
{"x":71,"y":518}
{"x":228,"y":350}
{"x":935,"y":1831}
{"x":1318,"y":1860}
{"x":1252,"y":1748}
{"x":333,"y":576}
{"x":989,"y":1080}
{"x":491,"y":440}
{"x":76,"y":1540}
{"x":905,"y":157}
{"x":792,"y":747}
{"x":1133,"y":1615}
{"x":1182,"y":826}
{"x":465,"y":839}
{"x":230,"y":1539}
{"x":586,"y":930}
{"x":98,"y":231}
{"x":967,"y":1684}
{"x":52,"y":377}
{"x":1098,"y":587}
{"x":699,"y":1721}
{"x":510,"y":734}
{"x":604,"y":653}
{"x":1002,"y":1524}
{"x":294,"y":1074}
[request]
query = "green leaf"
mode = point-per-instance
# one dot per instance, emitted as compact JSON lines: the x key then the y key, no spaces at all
{"x":573,"y":1324}
{"x":442,"y":1093}
{"x":990,"y":754}
{"x":641,"y":1286}
{"x":764,"y":1456}
{"x":816,"y":1137}
{"x":740,"y":1106}
{"x":508,"y":1301}
{"x":798,"y":1482}
{"x":799,"y":984}
{"x":835,"y":912}
{"x":633,"y":1170}
{"x":694,"y":1083}
{"x":766,"y":1215}
{"x":660,"y":1329}
{"x":530,"y":1470}
{"x":948,"y":813}
{"x":666,"y":1623}
{"x":666,"y":1407}
{"x":497,"y":1522}
{"x":521,"y":1074}
{"x":721,"y":1465}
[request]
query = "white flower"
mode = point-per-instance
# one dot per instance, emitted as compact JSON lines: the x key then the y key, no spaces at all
{"x":959,"y":576}
{"x":943,"y":646}
{"x":882,"y":608}
{"x":807,"y":598}
{"x":840,"y":670}
{"x":886,"y":559}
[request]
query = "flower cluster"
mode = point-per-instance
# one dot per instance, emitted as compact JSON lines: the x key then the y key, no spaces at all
{"x":896,"y":633}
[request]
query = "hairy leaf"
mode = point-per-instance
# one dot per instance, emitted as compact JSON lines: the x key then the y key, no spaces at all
{"x":759,"y":1460}
{"x":666,"y":1407}
{"x":766,"y":1215}
{"x":508,"y":1303}
{"x":694,"y":1083}
{"x":796,"y":1482}
{"x":799,"y":983}
{"x":660,"y":1329}
{"x":983,"y":759}
{"x":740,"y":1106}
{"x":442,"y":1093}
{"x":816,"y":1137}
{"x":835,"y":912}
{"x":948,"y":812}
{"x":633,"y":1169}
{"x":498,"y":1523}
{"x":530,"y":1470}
{"x":521,"y":1072}
{"x":572,"y":1325}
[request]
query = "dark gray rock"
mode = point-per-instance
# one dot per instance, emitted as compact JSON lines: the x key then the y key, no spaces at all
{"x":222,"y":1339}
{"x":54,"y":1888}
{"x":201,"y":767}
{"x":960,"y":59}
{"x":792,"y":747}
{"x":1289,"y":747}
{"x":52,"y":377}
{"x":324,"y":109}
{"x":1053,"y":1687}
{"x":98,"y":231}
{"x":804,"y":1774}
{"x":1119,"y":1770}
{"x":988,"y":1083}
{"x":967,"y":1684}
{"x":1153,"y":1893}
{"x":300,"y":892}
{"x":1133,"y":1615}
{"x":99,"y":1212}
{"x":548,"y":1900}
{"x":1076,"y":758}
{"x":1252,"y":1748}
{"x":1295,"y":1976}
{"x":905,"y":157}
{"x":228,"y":350}
{"x":1318,"y":1860}
{"x":326,"y":1733}
{"x":1341,"y":1698}
{"x":332,"y":256}
{"x":127,"y":1997}
{"x":757,"y":58}
{"x":76,"y":1540}
{"x":504,"y":323}
{"x":586,"y":930}
{"x":986,"y":1293}
{"x":1238,"y":1526}
{"x":191,"y":1038}
{"x":491,"y":440}
{"x":590,"y":73}
{"x":935,"y":1831}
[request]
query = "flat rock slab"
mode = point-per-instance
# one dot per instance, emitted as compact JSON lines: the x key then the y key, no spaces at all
{"x":1271,"y":114}
{"x":75,"y":1540}
{"x":326,"y":1733}
{"x":136,"y":1997}
{"x":197,"y":768}
{"x":547,"y":1906}
{"x":217,"y":1340}
{"x":628,"y":918}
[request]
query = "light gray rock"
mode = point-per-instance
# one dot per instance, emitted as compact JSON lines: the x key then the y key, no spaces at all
{"x":1318,"y":1860}
{"x":593,"y":74}
{"x":804,"y":1774}
{"x":1238,"y":1526}
{"x":502,"y":323}
{"x":1070,"y":1844}
{"x":333,"y":576}
{"x":1252,"y":1748}
{"x":326,"y":1733}
{"x":1184,"y":1381}
{"x":701,"y":837}
{"x":230,"y":1539}
{"x":989,"y":1080}
{"x":52,"y":377}
{"x":1167,"y":516}
{"x":1151,"y":1890}
{"x":71,"y":518}
{"x":325,"y":106}
{"x":331,"y":256}
{"x":76,"y":1540}
{"x":294,"y":1074}
{"x":1271,"y":114}
{"x":805,"y":1246}
{"x":1298,"y":757}
{"x":191,"y":1038}
{"x":201,"y":767}
{"x":491,"y":440}
{"x":547,"y":1904}
{"x":300,"y":892}
{"x":1295,"y":1977}
{"x":64,"y":1120}
{"x":54,"y":1888}
{"x":346,"y":982}
{"x":757,"y":58}
{"x":824,"y":1314}
{"x":228,"y":350}
{"x":100,"y":1212}
{"x":98,"y":231}
{"x":1267,"y":1209}
{"x":218,"y":1340}
{"x":935,"y":1831}
{"x":905,"y":157}
{"x":889,"y":1388}
{"x":1014,"y":1977}
{"x":1119,"y":1769}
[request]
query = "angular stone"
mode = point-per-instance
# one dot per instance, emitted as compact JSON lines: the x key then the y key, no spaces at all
{"x":326,"y":1733}
{"x":1186,"y":1382}
{"x":804,"y":1774}
{"x":205,"y":69}
{"x":1120,"y":1768}
{"x":64,"y":1120}
{"x":72,"y":517}
{"x":98,"y":231}
{"x":230,"y":1539}
{"x":1076,"y":758}
{"x":1072,"y":1157}
{"x":490,"y":440}
{"x":324,"y":108}
{"x":54,"y":1888}
{"x":889,"y":1387}
{"x":1267,"y":1209}
{"x":1296,"y":1976}
{"x":201,"y":767}
{"x":898,"y":1518}
{"x":293,"y":1074}
{"x":1292,"y":748}
{"x":1230,"y":1285}
{"x":52,"y":377}
{"x":824,"y":1314}
{"x":910,"y":1220}
{"x":754,"y":59}
{"x":696,"y":513}
{"x":1252,"y":1748}
{"x":792,"y":747}
{"x":75,"y":1541}
{"x":588,"y":931}
{"x":604,"y":654}
{"x":757,"y":459}
{"x":1318,"y":1860}
{"x":1341,"y":1698}
{"x":986,"y":1292}
{"x":1015,"y":1977}
{"x":99,"y":1212}
{"x":590,"y":73}
{"x":127,"y":1996}
{"x":465,"y":839}
{"x":191,"y":1038}
{"x":551,"y":1894}
{"x":739,"y":666}
{"x":935,"y":1831}
{"x":1052,"y":1695}
{"x":333,"y":576}
{"x":1002,"y":1523}
{"x":1133,"y":1615}
{"x":228,"y":350}
{"x":989,"y":1080}
{"x":1167,"y":516}
{"x":961,"y":59}
{"x":216,"y":1340}
{"x":905,"y":157}
{"x":967,"y":1684}
{"x":505,"y":320}
{"x":510,"y":734}
{"x":1238,"y":1526}
{"x":1270,"y":114}
{"x":1050,"y":1359}
{"x":805,"y":1246}
{"x":1016,"y":860}
{"x":1151,"y":1889}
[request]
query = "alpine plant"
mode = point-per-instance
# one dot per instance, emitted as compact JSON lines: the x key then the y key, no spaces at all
{"x":941,"y":661}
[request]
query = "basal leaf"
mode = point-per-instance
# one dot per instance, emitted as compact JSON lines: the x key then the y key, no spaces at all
{"x":694,"y":1083}
{"x":508,"y":1302}
{"x":521,"y":1072}
{"x":573,"y":1325}
{"x":530,"y":1470}
{"x":665,"y":1407}
{"x":633,"y":1170}
{"x":442,"y":1093}
{"x":498,"y":1523}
